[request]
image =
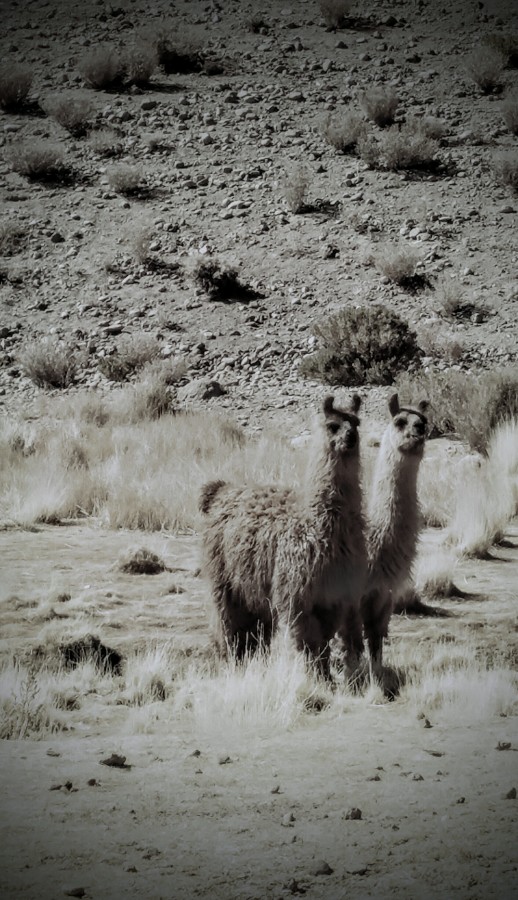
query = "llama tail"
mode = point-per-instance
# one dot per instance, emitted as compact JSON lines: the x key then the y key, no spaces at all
{"x":208,"y":494}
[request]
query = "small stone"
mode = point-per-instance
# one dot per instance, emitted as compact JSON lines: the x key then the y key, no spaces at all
{"x":321,"y":867}
{"x":417,"y":777}
{"x":287,"y":820}
{"x":503,"y":745}
{"x":74,"y":892}
{"x":116,"y":761}
{"x":354,"y":813}
{"x":57,"y":238}
{"x":511,"y":795}
{"x":224,"y":760}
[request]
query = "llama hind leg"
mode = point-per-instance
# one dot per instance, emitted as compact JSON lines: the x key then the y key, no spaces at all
{"x":376,"y":609}
{"x":351,"y":637}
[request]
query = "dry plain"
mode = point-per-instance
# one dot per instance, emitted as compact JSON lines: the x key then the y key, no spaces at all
{"x":256,"y":781}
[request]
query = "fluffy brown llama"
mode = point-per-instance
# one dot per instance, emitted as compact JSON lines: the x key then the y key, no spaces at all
{"x":393,"y":522}
{"x":296,"y":558}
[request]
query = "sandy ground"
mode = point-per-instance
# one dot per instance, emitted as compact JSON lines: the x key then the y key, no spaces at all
{"x":216,"y":808}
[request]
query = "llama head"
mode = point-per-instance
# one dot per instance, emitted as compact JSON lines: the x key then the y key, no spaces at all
{"x":408,"y":426}
{"x":341,"y":427}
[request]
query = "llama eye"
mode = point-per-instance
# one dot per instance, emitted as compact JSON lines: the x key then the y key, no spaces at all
{"x":400,"y":422}
{"x":333,"y":427}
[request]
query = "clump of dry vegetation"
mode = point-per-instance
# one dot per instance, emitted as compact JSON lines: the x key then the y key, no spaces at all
{"x":367,"y":345}
{"x":344,"y":131}
{"x":510,"y":111}
{"x":506,"y":169}
{"x":506,"y":44}
{"x":220,"y":282}
{"x":485,"y":66}
{"x":379,"y":105}
{"x":131,"y":354}
{"x":397,"y":263}
{"x":72,"y":111}
{"x":13,"y":237}
{"x":335,"y":12}
{"x":296,"y":186}
{"x":15,"y":85}
{"x":142,"y":561}
{"x":140,"y":63}
{"x":127,"y":180}
{"x":49,"y":364}
{"x":102,"y":67}
{"x":39,"y":161}
{"x":466,"y":404}
{"x":105,"y":142}
{"x":408,"y":148}
{"x":453,"y":304}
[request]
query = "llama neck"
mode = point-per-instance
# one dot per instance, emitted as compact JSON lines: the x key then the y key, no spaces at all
{"x":394,"y":489}
{"x":333,"y":488}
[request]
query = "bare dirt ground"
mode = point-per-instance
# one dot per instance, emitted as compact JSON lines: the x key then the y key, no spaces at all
{"x":216,"y":806}
{"x":213,"y":807}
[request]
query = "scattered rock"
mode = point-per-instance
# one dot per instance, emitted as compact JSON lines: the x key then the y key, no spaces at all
{"x":200,"y":389}
{"x":511,"y":795}
{"x":116,"y":762}
{"x":287,"y":820}
{"x":321,"y":867}
{"x":354,"y":813}
{"x":90,"y":648}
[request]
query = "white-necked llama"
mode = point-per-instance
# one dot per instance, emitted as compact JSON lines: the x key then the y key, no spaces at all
{"x":297,"y":558}
{"x":393,"y":522}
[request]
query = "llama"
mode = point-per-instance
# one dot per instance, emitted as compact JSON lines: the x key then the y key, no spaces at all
{"x":279,"y":556}
{"x":392,"y":522}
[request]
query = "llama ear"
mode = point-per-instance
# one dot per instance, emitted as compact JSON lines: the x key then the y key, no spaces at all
{"x":328,"y":405}
{"x":393,"y":405}
{"x":423,"y":405}
{"x":356,"y":402}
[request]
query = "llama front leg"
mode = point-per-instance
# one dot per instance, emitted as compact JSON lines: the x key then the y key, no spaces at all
{"x":374,"y":609}
{"x":351,"y":638}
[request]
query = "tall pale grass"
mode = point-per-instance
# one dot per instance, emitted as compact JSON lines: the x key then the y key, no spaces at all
{"x":146,"y":474}
{"x":486,"y":497}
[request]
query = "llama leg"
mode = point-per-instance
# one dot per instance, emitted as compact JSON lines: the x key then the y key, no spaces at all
{"x":350,"y":634}
{"x":373,"y":617}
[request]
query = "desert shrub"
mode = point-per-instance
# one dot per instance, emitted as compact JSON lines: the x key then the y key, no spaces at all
{"x":140,"y":63}
{"x":398,"y":264}
{"x":368,"y":149}
{"x":178,"y":55}
{"x":151,"y":398}
{"x":406,"y":148}
{"x":105,"y":142}
{"x":335,"y":12}
{"x":71,"y":111}
{"x":485,"y":66}
{"x":15,"y":84}
{"x":506,"y":169}
{"x":435,"y":342}
{"x":343,"y":131}
{"x":142,"y":562}
{"x":296,"y":185}
{"x":219,"y":282}
{"x":506,"y":45}
{"x":466,"y":404}
{"x":12,"y":238}
{"x":430,"y":126}
{"x":379,"y":105}
{"x":510,"y":111}
{"x":170,"y":371}
{"x":102,"y":67}
{"x":369,"y":345}
{"x":38,"y":161}
{"x":131,"y":354}
{"x":453,"y":304}
{"x":49,"y":364}
{"x":126,"y":180}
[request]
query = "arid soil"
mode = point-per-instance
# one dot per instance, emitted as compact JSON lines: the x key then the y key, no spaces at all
{"x":215,"y":808}
{"x":218,"y":808}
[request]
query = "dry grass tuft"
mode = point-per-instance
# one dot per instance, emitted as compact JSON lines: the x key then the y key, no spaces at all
{"x":72,"y":111}
{"x":39,"y":161}
{"x":49,"y":364}
{"x":485,"y":67}
{"x":397,"y":263}
{"x":102,"y":67}
{"x":506,"y":169}
{"x":131,"y":354}
{"x":510,"y":111}
{"x":344,"y":131}
{"x":142,"y":562}
{"x":105,"y":142}
{"x":379,"y":105}
{"x":335,"y":12}
{"x":15,"y":84}
{"x":407,"y":148}
{"x":127,"y":180}
{"x":296,"y":187}
{"x":13,"y":237}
